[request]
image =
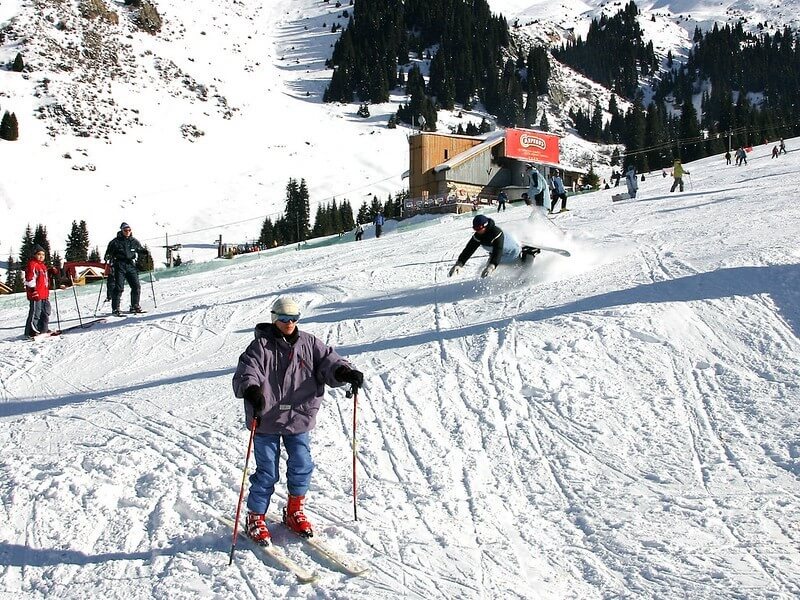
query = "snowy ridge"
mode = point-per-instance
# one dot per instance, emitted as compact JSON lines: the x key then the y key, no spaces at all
{"x":621,"y":423}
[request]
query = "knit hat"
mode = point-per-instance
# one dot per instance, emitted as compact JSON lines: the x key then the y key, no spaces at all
{"x":284,"y":306}
{"x":123,"y":225}
{"x":480,"y":221}
{"x":37,"y":248}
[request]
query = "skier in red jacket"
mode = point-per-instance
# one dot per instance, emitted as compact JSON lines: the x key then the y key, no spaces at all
{"x":37,"y":288}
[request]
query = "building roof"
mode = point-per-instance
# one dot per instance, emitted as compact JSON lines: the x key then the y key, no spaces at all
{"x":491,"y":139}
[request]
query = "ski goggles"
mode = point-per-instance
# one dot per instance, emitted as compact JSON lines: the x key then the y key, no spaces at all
{"x":287,"y":318}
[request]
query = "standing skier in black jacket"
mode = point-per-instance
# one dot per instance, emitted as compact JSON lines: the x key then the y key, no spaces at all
{"x":123,"y":250}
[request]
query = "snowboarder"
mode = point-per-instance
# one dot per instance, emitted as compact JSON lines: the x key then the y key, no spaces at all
{"x":536,"y":185}
{"x":282,"y":376}
{"x":501,"y":247}
{"x":502,"y":198}
{"x":677,"y":175}
{"x":378,"y":221}
{"x":630,"y":180}
{"x":558,"y":192}
{"x":37,"y":289}
{"x":123,"y":251}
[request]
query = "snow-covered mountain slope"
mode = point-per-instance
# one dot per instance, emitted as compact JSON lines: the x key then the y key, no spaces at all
{"x":197,"y":129}
{"x":621,"y":423}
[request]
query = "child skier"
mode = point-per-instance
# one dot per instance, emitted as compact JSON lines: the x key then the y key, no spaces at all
{"x":282,"y":377}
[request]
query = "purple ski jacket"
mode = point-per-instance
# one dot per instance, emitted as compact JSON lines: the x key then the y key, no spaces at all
{"x":292,"y":378}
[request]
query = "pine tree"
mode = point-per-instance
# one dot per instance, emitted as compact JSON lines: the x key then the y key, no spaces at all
{"x":298,"y":211}
{"x":74,"y":244}
{"x":543,"y":124}
{"x":10,"y":272}
{"x":9,"y":128}
{"x":19,"y":64}
{"x":267,"y":235}
{"x":144,"y":262}
{"x":19,"y":282}
{"x":363,"y":213}
{"x":94,"y":255}
{"x":26,"y":249}
{"x":346,"y":215}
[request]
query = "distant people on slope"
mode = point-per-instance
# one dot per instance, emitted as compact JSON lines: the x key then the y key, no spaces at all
{"x":741,"y":157}
{"x":677,"y":175}
{"x":359,"y":230}
{"x":774,"y":152}
{"x":378,"y":221}
{"x":536,"y":185}
{"x":615,"y":177}
{"x":782,"y":147}
{"x":727,"y":157}
{"x":630,"y":180}
{"x":559,"y":193}
{"x":502,"y":198}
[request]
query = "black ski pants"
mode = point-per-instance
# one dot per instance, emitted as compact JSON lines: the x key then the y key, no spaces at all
{"x":125,"y":271}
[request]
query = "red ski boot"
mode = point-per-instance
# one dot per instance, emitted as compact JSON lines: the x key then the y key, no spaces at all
{"x":295,"y":519}
{"x":257,"y":529}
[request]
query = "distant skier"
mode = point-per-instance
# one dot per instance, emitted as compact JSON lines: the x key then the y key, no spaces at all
{"x":282,"y":377}
{"x":782,"y":147}
{"x":37,"y":289}
{"x":630,"y":180}
{"x":378,"y":222}
{"x":536,"y":185}
{"x":774,"y":152}
{"x":741,"y":157}
{"x":677,"y":175}
{"x":502,"y":198}
{"x":502,"y":247}
{"x":123,"y":251}
{"x":727,"y":157}
{"x":359,"y":232}
{"x":559,"y":193}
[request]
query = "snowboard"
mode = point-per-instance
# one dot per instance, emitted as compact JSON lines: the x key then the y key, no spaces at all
{"x":622,"y":196}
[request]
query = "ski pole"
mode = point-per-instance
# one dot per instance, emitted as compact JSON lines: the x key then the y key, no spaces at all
{"x":153,"y":289}
{"x":241,"y":491}
{"x":100,"y":293}
{"x":78,"y":308}
{"x":354,"y":392}
{"x":58,"y":318}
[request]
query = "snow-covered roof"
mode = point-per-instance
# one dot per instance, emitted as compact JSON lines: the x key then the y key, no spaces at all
{"x":491,"y":139}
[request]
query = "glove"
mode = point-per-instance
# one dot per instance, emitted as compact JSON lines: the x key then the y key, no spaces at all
{"x":255,"y":397}
{"x":455,"y":269}
{"x":351,"y":376}
{"x":488,"y":270}
{"x":53,"y":271}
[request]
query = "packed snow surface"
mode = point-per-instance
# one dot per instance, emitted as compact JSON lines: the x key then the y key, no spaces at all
{"x":622,"y":423}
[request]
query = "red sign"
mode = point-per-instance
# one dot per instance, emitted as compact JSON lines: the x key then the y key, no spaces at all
{"x":533,"y":146}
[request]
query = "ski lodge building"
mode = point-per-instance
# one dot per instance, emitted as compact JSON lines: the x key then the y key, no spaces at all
{"x":456,"y":173}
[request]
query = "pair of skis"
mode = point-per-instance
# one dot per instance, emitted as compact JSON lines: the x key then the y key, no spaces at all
{"x":340,"y":561}
{"x":60,"y":332}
